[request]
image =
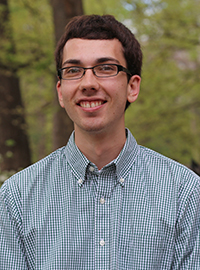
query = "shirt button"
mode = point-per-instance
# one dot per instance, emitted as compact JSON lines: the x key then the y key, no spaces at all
{"x":102,"y":243}
{"x":122,"y":180}
{"x":102,"y":200}
{"x":91,"y":169}
{"x":80,"y":181}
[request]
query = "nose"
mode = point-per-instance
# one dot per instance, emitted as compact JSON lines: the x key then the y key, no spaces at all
{"x":89,"y":81}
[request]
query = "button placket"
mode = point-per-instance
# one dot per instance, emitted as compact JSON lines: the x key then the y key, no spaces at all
{"x":102,"y":227}
{"x":102,"y":243}
{"x":102,"y":200}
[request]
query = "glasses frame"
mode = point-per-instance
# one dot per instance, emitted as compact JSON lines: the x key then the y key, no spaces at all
{"x":119,"y":68}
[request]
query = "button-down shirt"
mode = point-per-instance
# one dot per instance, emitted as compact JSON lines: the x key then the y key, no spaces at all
{"x":141,"y":211}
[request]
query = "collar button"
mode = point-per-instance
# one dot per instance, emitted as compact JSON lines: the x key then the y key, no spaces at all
{"x":91,"y":169}
{"x":102,"y":200}
{"x":80,"y":181}
{"x":122,"y":180}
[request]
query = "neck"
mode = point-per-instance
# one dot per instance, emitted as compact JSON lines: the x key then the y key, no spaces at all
{"x":100,"y":149}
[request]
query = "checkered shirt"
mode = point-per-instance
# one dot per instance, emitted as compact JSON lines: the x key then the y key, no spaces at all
{"x":140,"y":212}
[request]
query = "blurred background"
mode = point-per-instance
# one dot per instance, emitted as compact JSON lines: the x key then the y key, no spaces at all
{"x":166,"y":116}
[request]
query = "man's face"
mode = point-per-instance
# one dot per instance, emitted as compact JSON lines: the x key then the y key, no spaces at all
{"x":96,"y":104}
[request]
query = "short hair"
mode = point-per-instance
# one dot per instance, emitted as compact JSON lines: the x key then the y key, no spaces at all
{"x":102,"y":27}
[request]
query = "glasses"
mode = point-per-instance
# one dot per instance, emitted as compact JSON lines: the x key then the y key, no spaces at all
{"x":101,"y":71}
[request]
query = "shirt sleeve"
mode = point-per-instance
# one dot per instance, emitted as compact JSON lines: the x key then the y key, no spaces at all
{"x":12,"y":255}
{"x":187,"y":245}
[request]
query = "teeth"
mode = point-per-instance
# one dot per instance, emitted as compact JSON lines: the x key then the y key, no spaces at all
{"x":92,"y":104}
{"x":85,"y":105}
{"x":95,"y":104}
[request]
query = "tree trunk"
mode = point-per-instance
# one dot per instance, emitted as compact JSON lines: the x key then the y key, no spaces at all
{"x":14,"y":146}
{"x":63,"y":11}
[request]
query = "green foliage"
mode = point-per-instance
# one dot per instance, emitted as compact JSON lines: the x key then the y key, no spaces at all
{"x":102,"y":7}
{"x":33,"y":35}
{"x":10,"y":143}
{"x":166,"y":116}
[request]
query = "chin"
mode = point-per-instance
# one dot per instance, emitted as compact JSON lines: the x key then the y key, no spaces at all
{"x":96,"y":129}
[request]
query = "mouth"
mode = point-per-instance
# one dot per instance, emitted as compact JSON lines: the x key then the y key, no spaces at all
{"x":91,"y":104}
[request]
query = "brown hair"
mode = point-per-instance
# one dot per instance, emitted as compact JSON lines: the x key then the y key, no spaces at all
{"x":102,"y":27}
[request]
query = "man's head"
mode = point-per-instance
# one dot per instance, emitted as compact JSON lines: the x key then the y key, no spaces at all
{"x":106,"y":27}
{"x":103,"y":27}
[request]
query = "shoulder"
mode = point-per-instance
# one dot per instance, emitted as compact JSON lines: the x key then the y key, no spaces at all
{"x":156,"y":159}
{"x":168,"y":170}
{"x":39,"y":171}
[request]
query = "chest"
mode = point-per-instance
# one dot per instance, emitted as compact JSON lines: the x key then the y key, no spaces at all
{"x":101,"y":225}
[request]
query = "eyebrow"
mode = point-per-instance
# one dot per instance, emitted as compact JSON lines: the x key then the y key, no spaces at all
{"x":72,"y":61}
{"x":98,"y":61}
{"x":106,"y":59}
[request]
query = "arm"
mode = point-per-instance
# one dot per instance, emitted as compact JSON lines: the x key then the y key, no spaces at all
{"x":12,"y":254}
{"x":187,"y":245}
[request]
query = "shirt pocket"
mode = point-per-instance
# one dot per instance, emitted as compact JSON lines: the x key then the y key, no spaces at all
{"x":152,"y":252}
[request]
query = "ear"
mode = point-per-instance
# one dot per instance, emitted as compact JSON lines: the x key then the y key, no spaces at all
{"x":133,"y":88}
{"x":59,"y":91}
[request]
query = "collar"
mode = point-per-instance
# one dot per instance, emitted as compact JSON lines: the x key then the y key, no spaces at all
{"x":79,"y":163}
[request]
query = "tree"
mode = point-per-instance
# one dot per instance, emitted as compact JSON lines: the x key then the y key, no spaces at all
{"x":167,"y":113}
{"x":63,"y":11}
{"x":14,"y":145}
{"x":168,"y":107}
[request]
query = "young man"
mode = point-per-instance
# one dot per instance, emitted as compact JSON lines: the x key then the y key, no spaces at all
{"x":103,"y":201}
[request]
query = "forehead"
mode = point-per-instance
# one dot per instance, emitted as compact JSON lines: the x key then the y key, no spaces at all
{"x":88,"y":51}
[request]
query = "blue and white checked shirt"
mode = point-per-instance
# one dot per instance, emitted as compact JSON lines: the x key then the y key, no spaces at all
{"x":141,"y":211}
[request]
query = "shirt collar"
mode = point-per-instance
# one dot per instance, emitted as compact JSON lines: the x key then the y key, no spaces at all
{"x":126,"y":158}
{"x":79,"y":163}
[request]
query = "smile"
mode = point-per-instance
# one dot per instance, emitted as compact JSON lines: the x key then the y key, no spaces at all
{"x":90,"y":104}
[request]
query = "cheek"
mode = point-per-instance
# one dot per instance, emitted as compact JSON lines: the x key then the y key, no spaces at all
{"x":60,"y":98}
{"x":60,"y":94}
{"x":120,"y":101}
{"x":121,"y":92}
{"x":63,"y":99}
{"x":118,"y":88}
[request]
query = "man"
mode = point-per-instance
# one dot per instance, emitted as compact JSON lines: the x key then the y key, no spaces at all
{"x":103,"y":201}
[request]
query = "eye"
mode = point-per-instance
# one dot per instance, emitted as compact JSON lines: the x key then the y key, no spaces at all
{"x":106,"y":70}
{"x":72,"y":70}
{"x":107,"y":67}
